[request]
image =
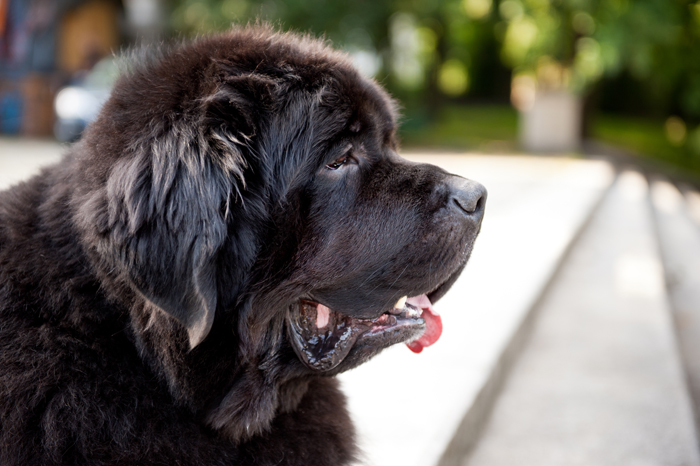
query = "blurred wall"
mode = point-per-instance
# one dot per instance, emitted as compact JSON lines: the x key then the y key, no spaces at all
{"x":45,"y":44}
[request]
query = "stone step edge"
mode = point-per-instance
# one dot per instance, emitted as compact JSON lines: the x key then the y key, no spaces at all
{"x":680,"y":205}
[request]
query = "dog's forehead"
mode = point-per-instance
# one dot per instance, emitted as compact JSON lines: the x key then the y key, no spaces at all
{"x":371,"y":110}
{"x":379,"y":112}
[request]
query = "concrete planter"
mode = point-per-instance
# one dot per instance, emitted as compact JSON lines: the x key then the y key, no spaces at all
{"x":552,"y":123}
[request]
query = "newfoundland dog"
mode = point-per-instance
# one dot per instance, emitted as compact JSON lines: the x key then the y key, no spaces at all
{"x":234,"y":230}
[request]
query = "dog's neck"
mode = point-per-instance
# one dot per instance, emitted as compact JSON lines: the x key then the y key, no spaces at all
{"x":239,"y":401}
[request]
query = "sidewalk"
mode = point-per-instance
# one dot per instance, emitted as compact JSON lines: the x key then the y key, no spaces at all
{"x":20,"y":158}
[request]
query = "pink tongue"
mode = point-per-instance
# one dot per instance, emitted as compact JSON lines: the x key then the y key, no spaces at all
{"x":433,"y":324}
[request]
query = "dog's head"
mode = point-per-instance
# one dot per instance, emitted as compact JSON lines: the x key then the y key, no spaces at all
{"x":242,"y":195}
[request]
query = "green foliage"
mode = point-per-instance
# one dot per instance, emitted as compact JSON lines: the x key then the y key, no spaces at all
{"x":491,"y":128}
{"x":436,"y":50}
{"x":651,"y":138}
{"x":656,"y":41}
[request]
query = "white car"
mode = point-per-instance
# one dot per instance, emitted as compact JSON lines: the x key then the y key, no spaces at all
{"x":77,"y":105}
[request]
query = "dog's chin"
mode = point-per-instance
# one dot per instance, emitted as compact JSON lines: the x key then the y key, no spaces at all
{"x":330,"y":342}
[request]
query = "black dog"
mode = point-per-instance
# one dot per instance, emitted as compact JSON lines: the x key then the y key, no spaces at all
{"x":234,"y":229}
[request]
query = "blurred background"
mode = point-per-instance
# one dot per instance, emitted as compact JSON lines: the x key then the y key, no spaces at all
{"x":471,"y":74}
{"x":573,"y":336}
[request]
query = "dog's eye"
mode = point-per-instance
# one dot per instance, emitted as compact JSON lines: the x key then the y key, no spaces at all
{"x":339,"y":163}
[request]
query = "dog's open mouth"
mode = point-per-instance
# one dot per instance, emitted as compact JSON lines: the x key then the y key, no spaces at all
{"x":322,"y":337}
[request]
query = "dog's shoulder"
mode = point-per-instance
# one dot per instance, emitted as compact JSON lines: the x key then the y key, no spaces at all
{"x":43,"y":270}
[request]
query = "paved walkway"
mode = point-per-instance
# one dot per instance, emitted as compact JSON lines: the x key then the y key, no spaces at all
{"x":601,"y":381}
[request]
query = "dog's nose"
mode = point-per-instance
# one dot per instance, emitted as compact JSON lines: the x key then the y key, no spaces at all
{"x":469,"y":197}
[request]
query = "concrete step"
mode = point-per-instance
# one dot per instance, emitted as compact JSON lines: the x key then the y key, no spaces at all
{"x":679,"y":240}
{"x":428,"y":409}
{"x":600,"y":381}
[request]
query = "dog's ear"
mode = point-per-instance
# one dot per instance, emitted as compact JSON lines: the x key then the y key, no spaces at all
{"x":240,"y":102}
{"x":168,"y":200}
{"x":166,"y":221}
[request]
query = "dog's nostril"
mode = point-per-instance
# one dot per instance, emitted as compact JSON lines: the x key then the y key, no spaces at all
{"x":469,"y":196}
{"x":468,"y":206}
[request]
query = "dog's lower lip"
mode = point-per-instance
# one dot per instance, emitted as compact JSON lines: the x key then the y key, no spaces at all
{"x":325,"y":347}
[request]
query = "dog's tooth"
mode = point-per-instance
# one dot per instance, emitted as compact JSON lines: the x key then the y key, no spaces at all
{"x":401,"y":303}
{"x":322,"y":316}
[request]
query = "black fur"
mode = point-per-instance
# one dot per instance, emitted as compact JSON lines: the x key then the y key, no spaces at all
{"x":145,"y":280}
